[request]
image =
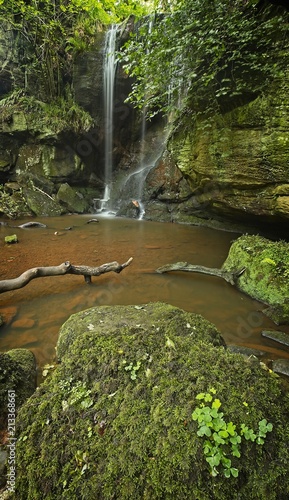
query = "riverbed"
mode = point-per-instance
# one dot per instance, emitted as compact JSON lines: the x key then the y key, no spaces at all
{"x":34,"y":314}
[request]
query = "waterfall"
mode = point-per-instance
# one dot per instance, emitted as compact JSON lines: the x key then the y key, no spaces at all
{"x":109,"y":70}
{"x":132,"y":187}
{"x":122,"y":187}
{"x":144,"y":168}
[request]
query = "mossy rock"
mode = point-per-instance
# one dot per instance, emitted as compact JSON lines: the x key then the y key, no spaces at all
{"x":266,"y":277}
{"x":111,"y":319}
{"x":42,"y":205}
{"x":114,"y":420}
{"x":72,"y":199}
{"x":17,"y":373}
{"x":10,"y":240}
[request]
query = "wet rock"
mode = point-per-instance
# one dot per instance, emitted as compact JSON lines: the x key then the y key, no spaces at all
{"x":240,"y":164}
{"x":246,"y":351}
{"x":8,"y":314}
{"x":280,"y":337}
{"x":31,"y":224}
{"x":281,"y":366}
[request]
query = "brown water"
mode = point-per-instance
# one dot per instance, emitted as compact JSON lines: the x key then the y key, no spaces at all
{"x":35,"y":313}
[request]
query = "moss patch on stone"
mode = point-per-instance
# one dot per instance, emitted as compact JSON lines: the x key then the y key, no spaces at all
{"x":72,"y":199}
{"x":42,"y":205}
{"x":114,"y":420}
{"x":18,"y":373}
{"x":266,"y":277}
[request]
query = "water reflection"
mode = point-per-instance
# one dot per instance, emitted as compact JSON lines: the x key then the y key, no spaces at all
{"x":36,"y":312}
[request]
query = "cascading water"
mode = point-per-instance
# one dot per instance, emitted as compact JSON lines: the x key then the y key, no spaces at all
{"x":128,"y":188}
{"x":132,"y":187}
{"x":109,"y":71}
{"x":146,"y":162}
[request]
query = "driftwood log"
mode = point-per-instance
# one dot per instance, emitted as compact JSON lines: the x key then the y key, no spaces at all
{"x":65,"y":268}
{"x":220,"y":273}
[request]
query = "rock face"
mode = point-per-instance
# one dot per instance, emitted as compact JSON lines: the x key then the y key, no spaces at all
{"x":114,"y":420}
{"x":237,"y":164}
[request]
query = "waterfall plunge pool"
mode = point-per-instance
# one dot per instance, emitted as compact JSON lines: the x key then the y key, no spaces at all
{"x":34,"y":314}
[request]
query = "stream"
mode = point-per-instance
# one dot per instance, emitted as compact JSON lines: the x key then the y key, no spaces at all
{"x":34,"y":314}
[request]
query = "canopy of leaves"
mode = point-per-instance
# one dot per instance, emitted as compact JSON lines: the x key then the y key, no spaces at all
{"x":51,"y":31}
{"x":206,"y":54}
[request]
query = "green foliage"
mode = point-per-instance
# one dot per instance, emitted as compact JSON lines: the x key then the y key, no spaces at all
{"x":76,"y":394}
{"x":58,"y":114}
{"x":51,"y":32}
{"x":222,"y":437}
{"x":132,"y":368}
{"x":205,"y":54}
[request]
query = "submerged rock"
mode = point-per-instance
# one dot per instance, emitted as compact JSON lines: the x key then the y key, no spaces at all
{"x":114,"y":420}
{"x":267,"y":272}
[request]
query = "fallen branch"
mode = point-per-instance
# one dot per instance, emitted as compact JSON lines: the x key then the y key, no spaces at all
{"x":220,"y":273}
{"x":65,"y":268}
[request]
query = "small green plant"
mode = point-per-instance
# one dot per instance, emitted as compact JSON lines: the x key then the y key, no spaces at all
{"x":76,"y":395}
{"x":133,"y":369}
{"x":221,"y":438}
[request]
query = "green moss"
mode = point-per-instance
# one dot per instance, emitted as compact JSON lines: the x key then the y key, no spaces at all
{"x":23,"y":112}
{"x":40,"y":204}
{"x":72,"y":198}
{"x":17,"y":373}
{"x":91,"y":431}
{"x":11,"y":239}
{"x":267,"y":270}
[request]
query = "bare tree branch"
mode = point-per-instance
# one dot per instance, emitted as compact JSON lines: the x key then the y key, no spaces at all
{"x":65,"y":268}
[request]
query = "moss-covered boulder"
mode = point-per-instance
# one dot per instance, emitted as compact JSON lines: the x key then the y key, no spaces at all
{"x":18,"y":374}
{"x":266,"y":277}
{"x":114,"y":420}
{"x":42,"y":205}
{"x":72,"y":199}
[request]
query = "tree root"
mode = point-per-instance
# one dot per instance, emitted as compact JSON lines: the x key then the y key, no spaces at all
{"x":220,"y":273}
